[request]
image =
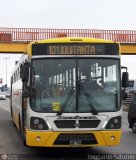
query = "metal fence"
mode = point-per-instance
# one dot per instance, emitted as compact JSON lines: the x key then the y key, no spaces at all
{"x":34,"y":34}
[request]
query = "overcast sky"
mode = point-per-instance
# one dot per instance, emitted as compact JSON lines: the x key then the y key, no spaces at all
{"x":87,"y":14}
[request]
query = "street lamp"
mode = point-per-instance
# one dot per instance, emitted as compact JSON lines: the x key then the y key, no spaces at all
{"x":6,"y":58}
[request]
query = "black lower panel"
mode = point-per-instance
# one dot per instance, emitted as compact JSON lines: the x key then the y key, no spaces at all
{"x":73,"y":139}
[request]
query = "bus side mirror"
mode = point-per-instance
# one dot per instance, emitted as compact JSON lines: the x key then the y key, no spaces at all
{"x":24,"y":72}
{"x":125,"y":79}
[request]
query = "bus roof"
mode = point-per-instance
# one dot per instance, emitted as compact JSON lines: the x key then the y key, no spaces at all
{"x":74,"y":40}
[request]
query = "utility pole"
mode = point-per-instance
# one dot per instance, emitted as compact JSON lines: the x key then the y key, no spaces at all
{"x":6,"y":58}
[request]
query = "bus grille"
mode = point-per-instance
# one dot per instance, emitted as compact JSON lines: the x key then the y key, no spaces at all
{"x":65,"y":123}
{"x":75,"y":139}
{"x":77,"y":123}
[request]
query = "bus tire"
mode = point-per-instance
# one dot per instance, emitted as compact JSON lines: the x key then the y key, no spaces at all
{"x":134,"y":127}
{"x":21,"y":130}
{"x":11,"y":112}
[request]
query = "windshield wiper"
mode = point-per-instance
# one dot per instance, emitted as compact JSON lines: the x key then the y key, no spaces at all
{"x":94,"y":112}
{"x":66,"y":101}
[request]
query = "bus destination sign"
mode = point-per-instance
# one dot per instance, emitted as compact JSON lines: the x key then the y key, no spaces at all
{"x":75,"y":49}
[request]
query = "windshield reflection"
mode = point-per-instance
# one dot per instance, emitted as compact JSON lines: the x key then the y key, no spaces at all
{"x":75,"y":85}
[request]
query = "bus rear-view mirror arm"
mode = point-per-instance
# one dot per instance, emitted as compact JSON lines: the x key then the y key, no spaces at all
{"x":125,"y":78}
{"x":24,"y":71}
{"x":26,"y":93}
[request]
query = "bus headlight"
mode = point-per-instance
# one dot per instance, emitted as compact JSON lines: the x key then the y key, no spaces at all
{"x":116,"y":120}
{"x":114,"y":123}
{"x":38,"y":124}
{"x":36,"y":121}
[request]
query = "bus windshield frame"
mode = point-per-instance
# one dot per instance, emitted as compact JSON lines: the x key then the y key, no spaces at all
{"x":105,"y":94}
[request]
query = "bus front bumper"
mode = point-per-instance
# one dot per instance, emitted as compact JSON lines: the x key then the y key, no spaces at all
{"x":73,"y":139}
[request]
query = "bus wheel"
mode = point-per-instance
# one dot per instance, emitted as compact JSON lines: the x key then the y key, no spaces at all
{"x":11,"y":112}
{"x":22,"y":133}
{"x":12,"y":117}
{"x":134,"y":127}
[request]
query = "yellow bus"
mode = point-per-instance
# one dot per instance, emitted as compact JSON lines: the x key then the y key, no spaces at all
{"x":66,"y":92}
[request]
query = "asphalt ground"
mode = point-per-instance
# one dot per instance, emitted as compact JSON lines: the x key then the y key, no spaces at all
{"x":11,"y":146}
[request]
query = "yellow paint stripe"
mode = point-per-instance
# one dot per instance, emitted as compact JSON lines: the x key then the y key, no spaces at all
{"x":128,"y":49}
{"x":17,"y":47}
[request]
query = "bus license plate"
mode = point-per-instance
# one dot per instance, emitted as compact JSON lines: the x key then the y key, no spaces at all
{"x":75,"y":142}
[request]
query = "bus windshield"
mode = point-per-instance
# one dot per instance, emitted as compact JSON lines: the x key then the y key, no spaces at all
{"x":72,"y":84}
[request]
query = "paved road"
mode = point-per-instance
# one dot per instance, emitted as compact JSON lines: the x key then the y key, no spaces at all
{"x":11,"y":145}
